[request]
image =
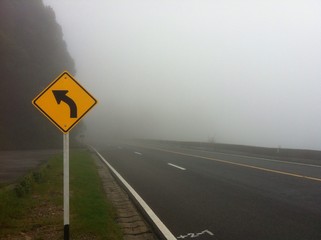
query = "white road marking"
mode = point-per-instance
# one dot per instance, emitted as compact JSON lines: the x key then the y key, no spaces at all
{"x":243,"y":165}
{"x":138,"y":153}
{"x":195,"y":235}
{"x":245,"y":156}
{"x":264,"y":159}
{"x":158,"y":223}
{"x":173,"y":165}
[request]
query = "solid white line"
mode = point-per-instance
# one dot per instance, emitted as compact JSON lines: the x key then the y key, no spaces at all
{"x":138,"y":153}
{"x":173,"y":165}
{"x":164,"y":230}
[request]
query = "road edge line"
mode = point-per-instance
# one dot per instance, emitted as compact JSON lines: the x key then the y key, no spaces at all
{"x":152,"y":216}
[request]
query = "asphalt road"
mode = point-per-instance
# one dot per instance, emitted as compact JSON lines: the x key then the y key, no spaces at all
{"x":15,"y":164}
{"x":206,"y":195}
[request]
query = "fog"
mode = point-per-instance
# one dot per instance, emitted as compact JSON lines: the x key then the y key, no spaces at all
{"x":242,"y":72}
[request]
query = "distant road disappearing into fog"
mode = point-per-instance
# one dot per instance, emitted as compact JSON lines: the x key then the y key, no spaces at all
{"x":207,"y":195}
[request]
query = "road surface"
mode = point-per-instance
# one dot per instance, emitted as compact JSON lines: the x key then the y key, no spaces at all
{"x":15,"y":164}
{"x":206,"y":195}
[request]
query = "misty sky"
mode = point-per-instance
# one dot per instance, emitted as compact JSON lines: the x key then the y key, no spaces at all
{"x":239,"y":71}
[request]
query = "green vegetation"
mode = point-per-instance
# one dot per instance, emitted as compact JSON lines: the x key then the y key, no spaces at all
{"x":32,"y":54}
{"x":91,"y":213}
{"x":24,"y":207}
{"x":34,"y":207}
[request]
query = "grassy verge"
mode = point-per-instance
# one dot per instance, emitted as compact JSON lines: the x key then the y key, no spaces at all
{"x":91,"y":212}
{"x":33,"y":208}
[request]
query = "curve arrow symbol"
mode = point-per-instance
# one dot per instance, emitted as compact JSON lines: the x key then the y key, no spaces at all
{"x":60,"y":95}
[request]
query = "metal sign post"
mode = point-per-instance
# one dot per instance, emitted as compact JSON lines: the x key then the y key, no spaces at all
{"x":66,"y":186}
{"x":64,"y":102}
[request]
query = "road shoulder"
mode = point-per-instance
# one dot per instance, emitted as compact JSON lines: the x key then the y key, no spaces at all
{"x":133,"y":225}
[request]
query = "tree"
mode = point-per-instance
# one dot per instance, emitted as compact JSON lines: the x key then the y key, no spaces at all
{"x":32,"y":54}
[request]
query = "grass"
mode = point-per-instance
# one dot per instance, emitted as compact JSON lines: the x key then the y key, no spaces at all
{"x":34,"y":206}
{"x":90,"y":210}
{"x":25,"y":205}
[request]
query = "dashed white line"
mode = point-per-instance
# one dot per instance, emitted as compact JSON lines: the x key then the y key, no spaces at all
{"x":243,"y":165}
{"x":264,"y":159}
{"x":138,"y":153}
{"x":173,"y":165}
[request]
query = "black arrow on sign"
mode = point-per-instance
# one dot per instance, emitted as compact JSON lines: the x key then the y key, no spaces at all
{"x":60,"y":95}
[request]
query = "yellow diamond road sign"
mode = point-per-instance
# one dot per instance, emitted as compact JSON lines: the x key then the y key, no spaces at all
{"x":64,"y":102}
